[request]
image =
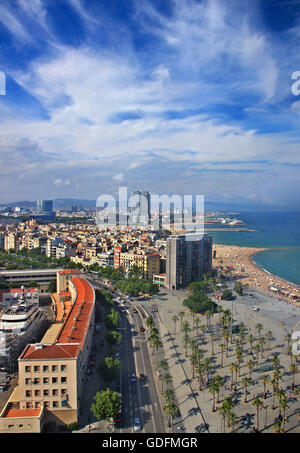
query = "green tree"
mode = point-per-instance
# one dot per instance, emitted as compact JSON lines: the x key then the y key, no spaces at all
{"x":107,"y":404}
{"x":109,"y":368}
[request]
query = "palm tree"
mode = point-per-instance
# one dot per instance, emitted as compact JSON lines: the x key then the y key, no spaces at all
{"x":220,"y":382}
{"x":232,"y":419}
{"x":213,"y":388}
{"x":251,"y":341}
{"x":150,"y":322}
{"x":293,"y":371}
{"x":194,"y":361}
{"x":275,"y":361}
{"x":265,"y":380}
{"x":277,"y":426}
{"x":186,"y":327}
{"x":262,"y":343}
{"x":269,"y":337}
{"x":288,"y":339}
{"x":234,"y":367}
{"x":193,"y":344}
{"x":212,"y":335}
{"x":283,"y":404}
{"x":259,"y":328}
{"x":203,"y":329}
{"x":181,"y":314}
{"x":250,"y":365}
{"x":197,"y":322}
{"x":238,"y":353}
{"x":169,"y":395}
{"x":157,"y":344}
{"x":153,"y":333}
{"x":171,"y":410}
{"x":200,"y":369}
{"x":226,"y":407}
{"x":186,"y":339}
{"x":208,"y":315}
{"x":258,"y":404}
{"x":222,"y":346}
{"x":175,"y":319}
{"x":163,"y":365}
{"x":167,"y":379}
{"x":256,"y":350}
{"x":246,"y":381}
{"x":219,"y":310}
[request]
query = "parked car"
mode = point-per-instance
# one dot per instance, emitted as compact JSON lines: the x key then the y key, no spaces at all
{"x":137,"y":424}
{"x":142,"y":377}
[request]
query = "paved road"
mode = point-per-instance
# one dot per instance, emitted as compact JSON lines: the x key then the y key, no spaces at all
{"x":140,"y":398}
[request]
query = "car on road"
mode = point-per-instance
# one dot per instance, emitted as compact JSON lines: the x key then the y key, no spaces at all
{"x":141,"y":329}
{"x":137,"y":424}
{"x":134,"y":310}
{"x":117,"y":355}
{"x":255,"y":308}
{"x":142,"y":377}
{"x":132,"y":378}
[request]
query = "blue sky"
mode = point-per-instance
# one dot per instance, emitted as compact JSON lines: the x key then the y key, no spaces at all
{"x":170,"y":96}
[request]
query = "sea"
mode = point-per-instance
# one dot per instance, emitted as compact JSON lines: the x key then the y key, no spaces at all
{"x":277,"y":230}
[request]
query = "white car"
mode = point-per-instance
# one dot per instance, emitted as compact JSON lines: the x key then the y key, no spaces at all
{"x":137,"y":424}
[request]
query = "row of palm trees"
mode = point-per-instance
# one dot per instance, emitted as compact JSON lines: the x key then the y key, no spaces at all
{"x":170,"y":406}
{"x":258,"y":344}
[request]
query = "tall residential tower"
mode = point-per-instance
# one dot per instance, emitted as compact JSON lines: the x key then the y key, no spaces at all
{"x":187,"y":259}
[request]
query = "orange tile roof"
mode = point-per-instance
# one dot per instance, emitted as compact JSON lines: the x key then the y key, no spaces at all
{"x":76,"y":325}
{"x":74,"y":329}
{"x":70,"y":271}
{"x":12,"y":412}
{"x":50,"y":351}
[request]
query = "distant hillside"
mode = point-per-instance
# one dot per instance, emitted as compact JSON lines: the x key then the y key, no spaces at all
{"x":65,"y":203}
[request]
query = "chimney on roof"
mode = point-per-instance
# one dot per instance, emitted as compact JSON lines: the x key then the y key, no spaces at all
{"x":38,"y":346}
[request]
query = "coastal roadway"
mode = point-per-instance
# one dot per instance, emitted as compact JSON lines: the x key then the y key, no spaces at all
{"x":140,"y":398}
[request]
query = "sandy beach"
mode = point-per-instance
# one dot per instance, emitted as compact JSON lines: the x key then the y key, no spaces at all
{"x":241,"y":260}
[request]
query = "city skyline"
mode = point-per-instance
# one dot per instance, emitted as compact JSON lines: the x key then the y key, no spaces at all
{"x":171,"y":97}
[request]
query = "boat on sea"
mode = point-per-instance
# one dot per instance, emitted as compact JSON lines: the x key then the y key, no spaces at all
{"x":20,"y":323}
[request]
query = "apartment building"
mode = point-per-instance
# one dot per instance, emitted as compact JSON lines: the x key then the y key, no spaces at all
{"x":52,"y":373}
{"x":42,"y":276}
{"x":188,"y":258}
{"x":149,"y":263}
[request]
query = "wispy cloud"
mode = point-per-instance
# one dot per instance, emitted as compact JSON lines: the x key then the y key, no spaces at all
{"x":193,"y":99}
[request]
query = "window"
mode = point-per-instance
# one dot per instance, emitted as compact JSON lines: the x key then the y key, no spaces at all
{"x":54,"y":380}
{"x":46,"y":392}
{"x":63,"y":368}
{"x":45,"y":380}
{"x":63,"y":379}
{"x":37,"y":393}
{"x":54,"y":368}
{"x":27,"y":381}
{"x":36,"y":369}
{"x":46,"y":403}
{"x":55,"y":404}
{"x":28,"y":392}
{"x":27,"y":369}
{"x":45,"y":368}
{"x":54,"y":392}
